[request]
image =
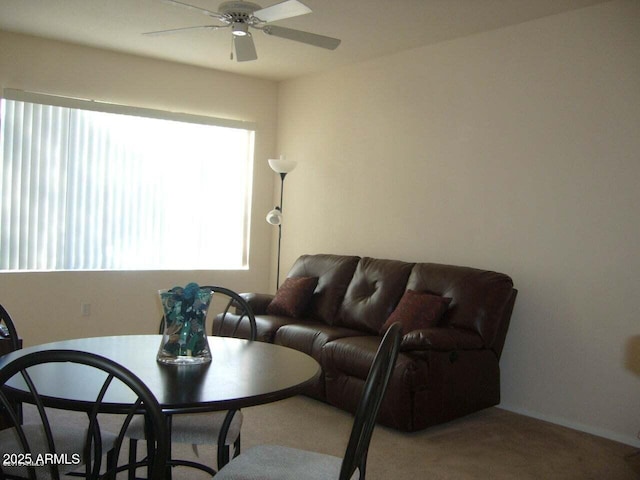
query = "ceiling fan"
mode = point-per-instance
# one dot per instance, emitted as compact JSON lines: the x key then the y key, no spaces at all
{"x":240,"y":16}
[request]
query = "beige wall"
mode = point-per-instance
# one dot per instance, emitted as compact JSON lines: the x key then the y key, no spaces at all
{"x":516,"y":150}
{"x":47,"y":305}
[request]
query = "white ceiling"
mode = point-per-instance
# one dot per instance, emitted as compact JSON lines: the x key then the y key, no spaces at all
{"x":368,"y":28}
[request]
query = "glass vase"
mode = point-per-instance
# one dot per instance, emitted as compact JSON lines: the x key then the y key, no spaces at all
{"x":184,"y":340}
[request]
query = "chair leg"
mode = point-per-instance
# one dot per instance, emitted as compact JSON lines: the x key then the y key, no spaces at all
{"x":223,"y":455}
{"x":112,"y":465}
{"x":363,"y":467}
{"x":236,"y":447}
{"x":169,"y":468}
{"x":223,"y":449}
{"x":133,"y":447}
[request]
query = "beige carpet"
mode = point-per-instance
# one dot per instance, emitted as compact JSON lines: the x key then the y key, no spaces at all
{"x":492,"y":444}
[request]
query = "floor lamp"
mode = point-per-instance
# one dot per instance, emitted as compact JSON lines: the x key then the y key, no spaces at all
{"x":274,"y":217}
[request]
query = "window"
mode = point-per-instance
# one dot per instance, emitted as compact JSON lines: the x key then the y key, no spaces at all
{"x":89,"y":186}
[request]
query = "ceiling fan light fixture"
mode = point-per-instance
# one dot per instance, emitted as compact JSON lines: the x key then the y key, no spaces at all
{"x":240,"y":29}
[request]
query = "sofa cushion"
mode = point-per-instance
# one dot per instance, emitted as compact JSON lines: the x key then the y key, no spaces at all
{"x":293,"y":296}
{"x":310,"y":337}
{"x":417,"y":310}
{"x":480,"y":299}
{"x":373,"y":294}
{"x":334,"y":273}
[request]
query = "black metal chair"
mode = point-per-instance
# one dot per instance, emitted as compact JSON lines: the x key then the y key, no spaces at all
{"x":221,"y":429}
{"x":81,"y":442}
{"x":9,"y":331}
{"x":272,"y":462}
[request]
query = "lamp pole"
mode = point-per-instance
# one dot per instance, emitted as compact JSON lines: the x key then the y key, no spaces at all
{"x":282,"y":175}
{"x":274,"y":217}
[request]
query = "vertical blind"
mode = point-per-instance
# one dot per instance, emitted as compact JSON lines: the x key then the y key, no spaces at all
{"x":94,"y":190}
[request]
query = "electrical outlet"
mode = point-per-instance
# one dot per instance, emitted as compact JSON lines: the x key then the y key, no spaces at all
{"x":85,"y":309}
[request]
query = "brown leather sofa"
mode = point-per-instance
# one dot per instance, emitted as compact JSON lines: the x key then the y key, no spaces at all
{"x":442,"y":373}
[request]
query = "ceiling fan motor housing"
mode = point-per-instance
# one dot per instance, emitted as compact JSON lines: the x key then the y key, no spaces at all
{"x":239,"y":12}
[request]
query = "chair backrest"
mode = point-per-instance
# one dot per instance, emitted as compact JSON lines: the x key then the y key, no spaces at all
{"x":239,"y":322}
{"x":374,"y":389}
{"x":105,"y":371}
{"x":11,"y":333}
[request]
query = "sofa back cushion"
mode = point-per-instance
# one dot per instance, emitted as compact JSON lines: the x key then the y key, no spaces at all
{"x":334,"y":272}
{"x":374,"y":292}
{"x":481,"y":300}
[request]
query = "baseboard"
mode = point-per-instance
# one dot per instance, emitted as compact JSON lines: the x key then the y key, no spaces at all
{"x":633,"y":441}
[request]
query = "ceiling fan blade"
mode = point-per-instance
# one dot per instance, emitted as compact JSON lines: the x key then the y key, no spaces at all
{"x":197,"y":9}
{"x":304,"y":37}
{"x":245,"y":48}
{"x":181,"y":30}
{"x":282,"y":10}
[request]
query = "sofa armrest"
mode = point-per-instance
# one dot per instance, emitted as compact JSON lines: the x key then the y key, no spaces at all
{"x":442,"y":339}
{"x":258,"y":302}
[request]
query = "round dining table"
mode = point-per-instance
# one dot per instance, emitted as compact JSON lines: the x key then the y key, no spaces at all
{"x":241,"y":373}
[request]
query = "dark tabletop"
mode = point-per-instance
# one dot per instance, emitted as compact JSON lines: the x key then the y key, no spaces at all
{"x":241,"y":374}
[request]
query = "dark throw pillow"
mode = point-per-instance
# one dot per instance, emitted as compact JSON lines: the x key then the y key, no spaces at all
{"x":293,"y":296}
{"x":417,"y":310}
